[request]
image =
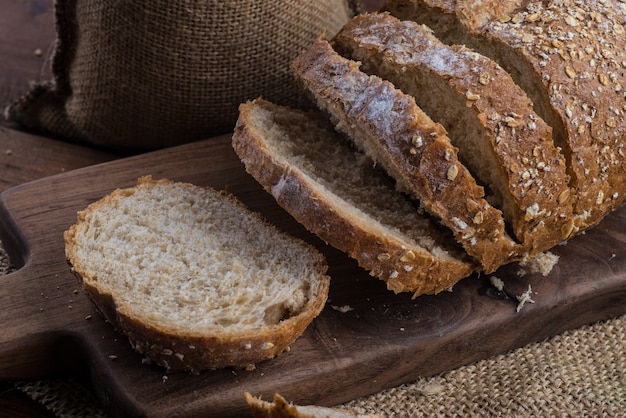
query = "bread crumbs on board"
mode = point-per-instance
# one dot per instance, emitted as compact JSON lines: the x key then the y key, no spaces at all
{"x":497,"y":283}
{"x":541,"y":263}
{"x":524,"y":298}
{"x":342,"y":309}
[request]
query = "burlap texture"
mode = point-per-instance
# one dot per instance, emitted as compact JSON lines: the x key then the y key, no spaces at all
{"x":580,"y":373}
{"x":151,"y":74}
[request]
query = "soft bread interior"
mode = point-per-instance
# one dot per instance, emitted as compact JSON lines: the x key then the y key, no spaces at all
{"x":349,"y":179}
{"x":188,"y":259}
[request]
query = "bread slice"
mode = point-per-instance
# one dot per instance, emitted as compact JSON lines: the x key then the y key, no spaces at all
{"x":569,"y":57}
{"x":339,"y":195}
{"x":387,"y":125}
{"x":502,"y":141}
{"x":192,"y":277}
{"x":280,"y":408}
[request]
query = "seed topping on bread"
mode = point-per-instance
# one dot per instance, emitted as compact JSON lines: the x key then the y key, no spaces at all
{"x":500,"y":138}
{"x":569,"y":57}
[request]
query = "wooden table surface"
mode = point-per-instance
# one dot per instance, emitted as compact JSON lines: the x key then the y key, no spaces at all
{"x":26,"y":41}
{"x":27,"y":37}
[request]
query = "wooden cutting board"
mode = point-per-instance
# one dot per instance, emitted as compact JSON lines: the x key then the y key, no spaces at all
{"x":50,"y":326}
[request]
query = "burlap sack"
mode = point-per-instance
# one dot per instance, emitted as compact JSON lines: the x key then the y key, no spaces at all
{"x":155,"y":73}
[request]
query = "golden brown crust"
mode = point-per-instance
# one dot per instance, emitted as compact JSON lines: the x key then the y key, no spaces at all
{"x":526,"y":162}
{"x":177,"y":351}
{"x":280,"y":408}
{"x":174,"y":348}
{"x":578,"y":49}
{"x":569,"y":56}
{"x":198,"y":352}
{"x":401,"y":267}
{"x":413,"y":149}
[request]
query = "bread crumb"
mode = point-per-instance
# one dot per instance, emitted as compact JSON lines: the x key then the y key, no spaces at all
{"x":342,"y":309}
{"x":541,"y":263}
{"x":432,"y":389}
{"x":267,"y":345}
{"x":524,"y":298}
{"x":497,"y":283}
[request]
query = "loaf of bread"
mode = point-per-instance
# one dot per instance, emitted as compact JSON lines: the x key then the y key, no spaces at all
{"x":280,"y":408}
{"x":505,"y":144}
{"x":338,"y":194}
{"x":192,"y":277}
{"x":503,"y":120}
{"x":389,"y":127}
{"x":570,"y":58}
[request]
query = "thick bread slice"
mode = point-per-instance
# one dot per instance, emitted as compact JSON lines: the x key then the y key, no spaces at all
{"x":280,"y":408}
{"x":570,"y":58}
{"x":488,"y":118}
{"x":340,"y":196}
{"x":192,"y":277}
{"x":388,"y":125}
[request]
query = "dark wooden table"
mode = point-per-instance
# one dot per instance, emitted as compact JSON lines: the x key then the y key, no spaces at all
{"x":27,"y":37}
{"x":26,"y":41}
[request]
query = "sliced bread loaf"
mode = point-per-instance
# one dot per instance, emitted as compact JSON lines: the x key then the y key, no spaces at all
{"x":339,"y":195}
{"x":569,"y":56}
{"x":192,"y":277}
{"x":389,"y":127}
{"x":502,"y":141}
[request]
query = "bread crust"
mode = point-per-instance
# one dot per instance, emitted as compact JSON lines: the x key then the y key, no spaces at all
{"x":404,"y":269}
{"x":280,"y":408}
{"x":413,"y":149}
{"x":587,"y":97}
{"x":569,"y":56}
{"x":526,"y":165}
{"x":194,"y":351}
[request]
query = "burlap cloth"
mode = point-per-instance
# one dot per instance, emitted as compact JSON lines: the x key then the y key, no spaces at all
{"x":156,"y":73}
